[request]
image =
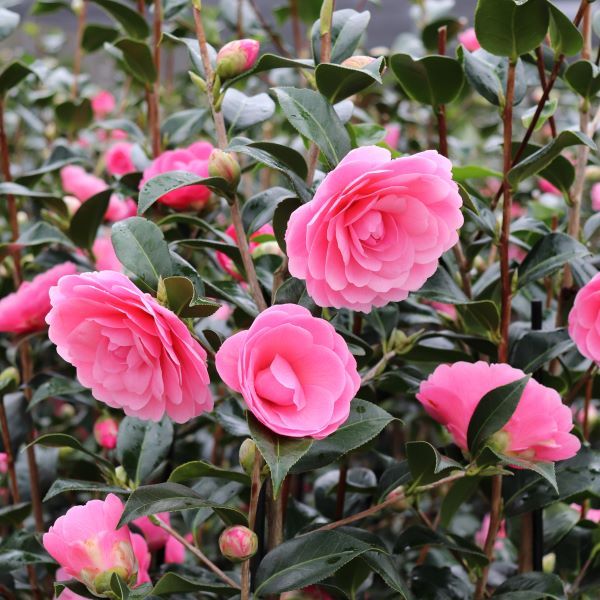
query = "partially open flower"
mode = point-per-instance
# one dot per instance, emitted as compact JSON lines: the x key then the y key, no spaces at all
{"x":238,"y":543}
{"x":237,"y":57}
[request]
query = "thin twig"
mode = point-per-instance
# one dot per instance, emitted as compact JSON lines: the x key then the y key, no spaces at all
{"x":195,"y":551}
{"x":542,"y":74}
{"x":296,"y":27}
{"x":81,"y":15}
{"x":275,"y":38}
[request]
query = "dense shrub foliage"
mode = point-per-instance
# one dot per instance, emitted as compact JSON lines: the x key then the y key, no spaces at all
{"x":288,"y":314}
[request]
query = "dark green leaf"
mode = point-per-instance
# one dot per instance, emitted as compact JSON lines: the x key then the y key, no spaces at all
{"x":337,"y":82}
{"x":198,"y":468}
{"x":542,"y":586}
{"x":584,"y":77}
{"x":242,"y":111}
{"x":313,"y":116}
{"x":426,"y":464}
{"x":60,"y":486}
{"x":182,"y":299}
{"x":74,"y":115}
{"x":293,"y":291}
{"x":62,"y":440}
{"x":95,"y":36}
{"x":564,"y":36}
{"x":141,"y":248}
{"x":142,"y":446}
{"x":89,"y":216}
{"x":493,"y":412}
{"x":12,"y":75}
{"x":536,"y":348}
{"x":138,"y":58}
{"x":258,"y":210}
{"x":14,"y":514}
{"x":460,"y":492}
{"x":281,"y":217}
{"x":57,"y":386}
{"x":174,"y":583}
{"x":280,"y":453}
{"x":131,"y":20}
{"x":432,"y":80}
{"x":42,"y":233}
{"x":347,"y":29}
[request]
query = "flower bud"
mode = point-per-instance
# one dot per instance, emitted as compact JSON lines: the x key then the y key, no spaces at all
{"x":237,"y":57}
{"x":402,"y":502}
{"x":105,"y":432}
{"x":247,"y":455}
{"x":238,"y":543}
{"x":223,"y":164}
{"x":9,"y":380}
{"x":3,"y":463}
{"x":198,"y":81}
{"x":358,"y":62}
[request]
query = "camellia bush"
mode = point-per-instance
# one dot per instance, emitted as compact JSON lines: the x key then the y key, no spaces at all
{"x":285,"y":314}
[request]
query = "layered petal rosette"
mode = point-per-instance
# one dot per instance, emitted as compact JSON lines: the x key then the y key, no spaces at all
{"x":132,"y":352}
{"x":294,"y":371}
{"x":539,"y":428}
{"x":584,"y":320}
{"x":375,"y":229}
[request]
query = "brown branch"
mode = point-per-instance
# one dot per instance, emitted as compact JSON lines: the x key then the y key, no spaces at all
{"x":296,"y":28}
{"x":542,"y":74}
{"x":81,"y":16}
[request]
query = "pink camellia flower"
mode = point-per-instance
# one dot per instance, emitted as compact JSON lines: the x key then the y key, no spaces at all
{"x":469,"y":40}
{"x":118,"y":159}
{"x":482,"y":534}
{"x":3,"y":462}
{"x":120,"y":208}
{"x":87,"y":545}
{"x":595,"y":193}
{"x":106,"y":257}
{"x":584,"y":320}
{"x":105,"y":432}
{"x":193,"y":159}
{"x":238,"y":543}
{"x":155,"y":536}
{"x":143,"y":557}
{"x":548,"y":188}
{"x":294,"y":371}
{"x":25,"y":310}
{"x":591,"y":514}
{"x":448,"y":309}
{"x":132,"y":352}
{"x":227,"y":263}
{"x":103,"y":103}
{"x":175,"y":550}
{"x":392,"y":135}
{"x":538,"y":429}
{"x":375,"y":229}
{"x":237,"y":57}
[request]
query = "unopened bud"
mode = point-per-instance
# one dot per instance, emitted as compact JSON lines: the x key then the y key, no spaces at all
{"x":401,"y":501}
{"x":237,"y":57}
{"x":105,"y":432}
{"x":9,"y":380}
{"x":238,"y":543}
{"x":247,"y":456}
{"x":224,"y":165}
{"x":358,"y":62}
{"x":198,"y":81}
{"x":121,"y":475}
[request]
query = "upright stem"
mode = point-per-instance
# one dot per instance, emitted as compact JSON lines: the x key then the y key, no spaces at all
{"x":506,"y":215}
{"x":296,"y":27}
{"x":275,"y":516}
{"x":153,"y":93}
{"x":221,"y":131}
{"x":490,"y":540}
{"x":340,"y":500}
{"x":81,"y":15}
{"x":254,"y":495}
{"x":542,"y":74}
{"x":10,"y":459}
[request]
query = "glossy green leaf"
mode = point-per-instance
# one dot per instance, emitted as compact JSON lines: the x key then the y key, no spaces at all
{"x":493,"y":411}
{"x":172,"y":497}
{"x":280,"y":453}
{"x":548,"y":255}
{"x":42,"y":233}
{"x":12,"y":75}
{"x":143,"y":445}
{"x":130,"y":19}
{"x":313,"y":116}
{"x":536,"y":348}
{"x":141,"y":248}
{"x":432,"y":80}
{"x":96,"y":35}
{"x":138,"y":59}
{"x":14,"y":514}
{"x":537,"y":586}
{"x":426,"y":464}
{"x":337,"y":82}
{"x":293,"y":291}
{"x":584,"y":77}
{"x":183,"y":301}
{"x":199,"y":468}
{"x":565,"y":38}
{"x":73,"y":115}
{"x":259,"y":209}
{"x":57,"y":386}
{"x":509,"y":28}
{"x":61,"y":486}
{"x":242,"y":112}
{"x":88,"y":218}
{"x":175,"y":583}
{"x":347,"y":29}
{"x":62,"y":440}
{"x":281,"y":216}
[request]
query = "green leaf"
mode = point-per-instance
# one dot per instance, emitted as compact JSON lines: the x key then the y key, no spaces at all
{"x":426,"y":464}
{"x":509,"y":28}
{"x":242,"y":111}
{"x":548,"y":255}
{"x":432,"y":80}
{"x":171,"y":497}
{"x":162,"y":184}
{"x":95,"y":36}
{"x":366,"y":421}
{"x":348,"y":27}
{"x":460,"y":492}
{"x":125,"y":124}
{"x":293,"y":291}
{"x":74,"y":115}
{"x":9,"y":21}
{"x":493,"y":411}
{"x":337,"y":82}
{"x":131,"y":20}
{"x":174,"y":583}
{"x":62,"y":440}
{"x":280,"y":453}
{"x":584,"y":77}
{"x":57,"y":386}
{"x":545,"y":469}
{"x":259,"y":209}
{"x":231,"y":291}
{"x":60,"y":486}
{"x":141,"y":248}
{"x":12,"y":75}
{"x":198,"y":468}
{"x":473,"y":172}
{"x":143,"y":445}
{"x":540,"y":159}
{"x":14,"y":514}
{"x":565,"y":38}
{"x":182,"y":299}
{"x":305,"y":560}
{"x":138,"y":58}
{"x":440,"y":287}
{"x":483,"y":77}
{"x":536,"y":348}
{"x":548,"y":110}
{"x":88,"y":218}
{"x":538,"y":586}
{"x":314,"y":117}
{"x":42,"y":233}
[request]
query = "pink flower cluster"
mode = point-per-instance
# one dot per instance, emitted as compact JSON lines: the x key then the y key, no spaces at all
{"x":375,"y":229}
{"x":132,"y":352}
{"x":538,"y":429}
